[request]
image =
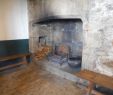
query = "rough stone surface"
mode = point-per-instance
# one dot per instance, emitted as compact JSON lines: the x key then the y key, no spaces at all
{"x":98,"y":49}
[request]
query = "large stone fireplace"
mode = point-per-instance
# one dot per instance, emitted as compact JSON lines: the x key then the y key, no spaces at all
{"x":65,"y":36}
{"x":91,"y":21}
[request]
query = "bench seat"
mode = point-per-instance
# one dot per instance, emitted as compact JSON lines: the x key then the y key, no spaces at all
{"x":13,"y":57}
{"x":95,"y":78}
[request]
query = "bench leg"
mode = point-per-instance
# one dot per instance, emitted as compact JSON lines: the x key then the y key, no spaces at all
{"x":90,"y":88}
{"x":25,"y":60}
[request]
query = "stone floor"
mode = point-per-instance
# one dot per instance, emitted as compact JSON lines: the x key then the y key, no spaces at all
{"x":31,"y":80}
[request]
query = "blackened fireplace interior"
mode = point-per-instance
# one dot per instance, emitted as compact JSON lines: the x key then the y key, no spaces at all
{"x":65,"y":36}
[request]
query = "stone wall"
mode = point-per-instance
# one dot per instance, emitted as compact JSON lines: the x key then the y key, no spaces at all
{"x":98,"y":48}
{"x":97,"y":17}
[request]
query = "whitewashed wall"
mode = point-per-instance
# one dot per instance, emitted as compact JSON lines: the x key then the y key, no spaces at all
{"x":98,"y":46}
{"x":13,"y":19}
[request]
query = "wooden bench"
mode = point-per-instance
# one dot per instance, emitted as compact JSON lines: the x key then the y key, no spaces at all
{"x":12,"y":57}
{"x":95,"y":78}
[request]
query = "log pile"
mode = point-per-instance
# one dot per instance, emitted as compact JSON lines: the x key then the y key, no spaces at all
{"x":42,"y":53}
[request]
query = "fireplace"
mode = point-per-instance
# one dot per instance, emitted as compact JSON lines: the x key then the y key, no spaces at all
{"x":65,"y":37}
{"x":97,"y":33}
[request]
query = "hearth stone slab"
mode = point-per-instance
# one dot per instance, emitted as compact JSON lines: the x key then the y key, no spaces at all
{"x":56,"y":70}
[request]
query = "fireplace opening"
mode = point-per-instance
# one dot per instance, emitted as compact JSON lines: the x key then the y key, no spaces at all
{"x":64,"y":40}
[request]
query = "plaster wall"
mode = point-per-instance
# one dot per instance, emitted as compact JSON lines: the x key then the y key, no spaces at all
{"x":13,"y":19}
